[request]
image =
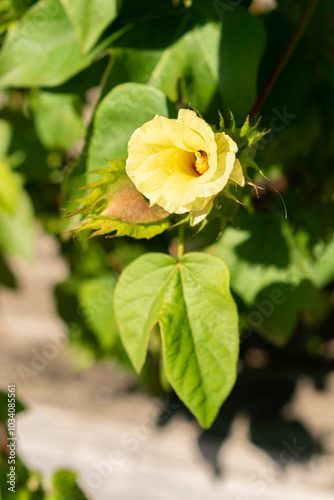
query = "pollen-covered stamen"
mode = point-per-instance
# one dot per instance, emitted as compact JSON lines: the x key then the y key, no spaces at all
{"x":201,"y":164}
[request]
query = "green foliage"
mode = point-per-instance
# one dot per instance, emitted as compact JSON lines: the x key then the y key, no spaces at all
{"x":7,"y":278}
{"x":33,"y":53}
{"x":9,"y":188}
{"x":122,"y":110}
{"x":5,"y":137}
{"x":279,"y":273}
{"x":198,"y":320}
{"x":17,"y":222}
{"x":65,"y":487}
{"x":10,"y":10}
{"x":17,"y":228}
{"x":193,"y":57}
{"x":96,"y":301}
{"x":89,"y":73}
{"x":89,"y":19}
{"x":57,"y":120}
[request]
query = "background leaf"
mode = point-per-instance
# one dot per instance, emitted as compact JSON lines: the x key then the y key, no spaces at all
{"x":282,"y":278}
{"x":5,"y":137}
{"x":42,"y":49}
{"x":118,"y":115}
{"x":65,"y":487}
{"x":96,"y":301}
{"x":90,"y":18}
{"x":9,"y":188}
{"x":208,"y":63}
{"x":18,"y":230}
{"x":57,"y":119}
{"x":256,"y":253}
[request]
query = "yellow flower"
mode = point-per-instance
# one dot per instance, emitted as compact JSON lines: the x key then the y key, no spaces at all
{"x":182,"y":164}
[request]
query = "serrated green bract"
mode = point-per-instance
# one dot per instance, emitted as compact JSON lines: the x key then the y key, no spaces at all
{"x":191,"y":301}
{"x":246,"y":137}
{"x":226,"y":202}
{"x":115,"y":205}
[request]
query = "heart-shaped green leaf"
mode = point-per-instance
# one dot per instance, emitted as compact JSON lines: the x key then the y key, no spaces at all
{"x":191,"y":301}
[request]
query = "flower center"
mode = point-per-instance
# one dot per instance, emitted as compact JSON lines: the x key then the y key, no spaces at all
{"x":201,"y":164}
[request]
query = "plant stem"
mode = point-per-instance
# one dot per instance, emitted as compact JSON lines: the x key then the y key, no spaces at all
{"x":180,"y":246}
{"x":284,"y":58}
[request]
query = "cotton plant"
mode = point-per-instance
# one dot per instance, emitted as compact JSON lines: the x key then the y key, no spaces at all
{"x":178,"y":172}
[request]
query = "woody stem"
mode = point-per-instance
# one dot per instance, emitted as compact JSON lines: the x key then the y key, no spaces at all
{"x":284,"y":58}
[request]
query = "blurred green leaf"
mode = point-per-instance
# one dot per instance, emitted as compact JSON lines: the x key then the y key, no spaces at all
{"x":9,"y":188}
{"x":5,"y":137}
{"x":118,"y":115}
{"x":42,"y":49}
{"x":56,"y":118}
{"x":323,"y":267}
{"x":90,"y":18}
{"x":7,"y":278}
{"x":4,"y":406}
{"x":95,"y":297}
{"x":274,"y":275}
{"x":18,"y":230}
{"x":25,"y":151}
{"x":257,"y":254}
{"x":278,"y":308}
{"x":211,"y":64}
{"x":198,"y":320}
{"x":66,"y":487}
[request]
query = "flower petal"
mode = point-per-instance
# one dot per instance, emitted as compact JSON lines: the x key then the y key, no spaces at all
{"x":226,"y":158}
{"x":237,"y":174}
{"x":190,"y":119}
{"x":178,"y":190}
{"x":161,"y":163}
{"x":196,"y":217}
{"x":162,"y":133}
